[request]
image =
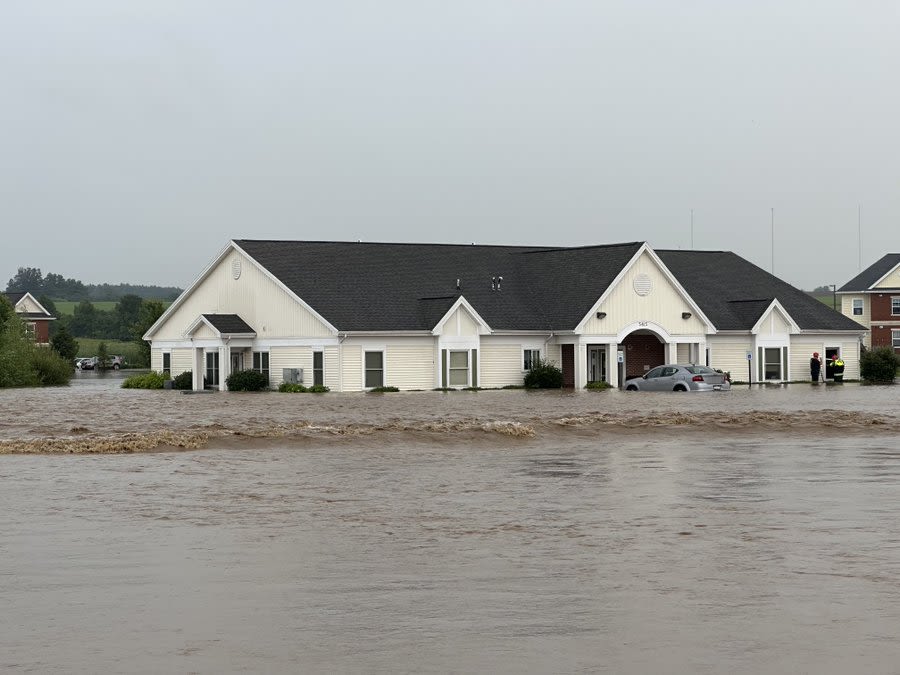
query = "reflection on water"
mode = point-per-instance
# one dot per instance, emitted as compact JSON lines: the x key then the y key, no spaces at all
{"x":586,"y":547}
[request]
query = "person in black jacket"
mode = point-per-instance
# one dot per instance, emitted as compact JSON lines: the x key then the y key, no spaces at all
{"x":815,"y":367}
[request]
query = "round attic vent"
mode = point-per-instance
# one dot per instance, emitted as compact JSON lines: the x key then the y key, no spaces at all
{"x":643,"y":284}
{"x":236,"y":268}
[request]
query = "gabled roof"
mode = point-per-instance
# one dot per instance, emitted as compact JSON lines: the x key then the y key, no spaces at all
{"x":224,"y":325}
{"x":386,"y":287}
{"x":411,"y":287}
{"x":15,"y":297}
{"x":872,"y":274}
{"x":734,"y":292}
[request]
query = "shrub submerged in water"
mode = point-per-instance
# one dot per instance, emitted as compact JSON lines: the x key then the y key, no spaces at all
{"x":544,"y":375}
{"x":289,"y":388}
{"x":151,"y":380}
{"x":879,"y":365}
{"x":183,"y":380}
{"x":247,"y":380}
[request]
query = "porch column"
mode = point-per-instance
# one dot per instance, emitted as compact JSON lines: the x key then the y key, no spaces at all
{"x":612,"y":364}
{"x":197,"y":383}
{"x":701,"y":353}
{"x":224,"y":366}
{"x":671,"y":352}
{"x":580,"y":365}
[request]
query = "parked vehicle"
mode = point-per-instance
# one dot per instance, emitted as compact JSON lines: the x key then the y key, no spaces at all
{"x":679,"y":377}
{"x":89,"y":363}
{"x":116,"y":362}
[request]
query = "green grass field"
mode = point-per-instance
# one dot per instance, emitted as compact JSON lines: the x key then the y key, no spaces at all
{"x":88,"y":347}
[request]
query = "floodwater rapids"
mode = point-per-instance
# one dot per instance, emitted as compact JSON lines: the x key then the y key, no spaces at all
{"x":753,"y":531}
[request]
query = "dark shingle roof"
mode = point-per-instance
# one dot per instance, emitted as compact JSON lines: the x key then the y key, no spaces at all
{"x":864,"y":280}
{"x":384,"y":287}
{"x":228,"y":323}
{"x":733,"y":292}
{"x":14,"y":296}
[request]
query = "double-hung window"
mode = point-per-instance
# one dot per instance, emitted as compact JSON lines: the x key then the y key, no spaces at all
{"x":895,"y":338}
{"x":374,"y":363}
{"x":531,"y":358}
{"x":857,"y":306}
{"x":319,"y":368}
{"x":458,"y":375}
{"x":261,"y":363}
{"x":895,"y":306}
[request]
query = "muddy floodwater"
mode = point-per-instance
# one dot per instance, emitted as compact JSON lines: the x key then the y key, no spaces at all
{"x":753,"y":531}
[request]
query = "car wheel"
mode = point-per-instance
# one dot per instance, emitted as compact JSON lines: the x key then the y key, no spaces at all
{"x":680,"y":387}
{"x":115,"y":366}
{"x":630,"y":387}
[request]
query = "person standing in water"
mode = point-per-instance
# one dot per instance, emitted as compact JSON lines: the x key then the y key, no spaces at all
{"x":815,"y":367}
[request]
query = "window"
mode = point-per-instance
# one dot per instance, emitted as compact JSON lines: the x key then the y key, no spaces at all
{"x":261,"y":363}
{"x":857,"y":306}
{"x":459,"y":369}
{"x":167,"y":362}
{"x":30,"y":330}
{"x":318,"y":368}
{"x":656,"y":372}
{"x":531,"y":359}
{"x":374,"y":369}
{"x":895,"y":338}
{"x":772,"y":362}
{"x":212,"y":369}
{"x":895,"y":306}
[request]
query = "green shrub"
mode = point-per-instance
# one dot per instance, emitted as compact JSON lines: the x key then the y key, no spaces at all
{"x":382,"y":390}
{"x":247,"y":380}
{"x":544,"y":375}
{"x":318,"y":389}
{"x":49,"y":367}
{"x":151,"y":380}
{"x":879,"y":365}
{"x":600,"y":385}
{"x":183,"y":380}
{"x":290,"y":388}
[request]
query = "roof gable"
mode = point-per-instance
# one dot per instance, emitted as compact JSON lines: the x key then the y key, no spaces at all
{"x":874,"y":275}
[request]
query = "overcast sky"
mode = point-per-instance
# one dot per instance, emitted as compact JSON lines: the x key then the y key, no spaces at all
{"x":137,"y":138}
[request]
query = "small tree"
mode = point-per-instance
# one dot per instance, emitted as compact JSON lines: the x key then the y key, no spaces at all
{"x":544,"y":375}
{"x":102,"y":357}
{"x":879,"y":365}
{"x":64,"y":344}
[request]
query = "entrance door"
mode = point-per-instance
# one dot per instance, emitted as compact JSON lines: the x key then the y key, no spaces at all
{"x":237,"y":361}
{"x":212,"y":369}
{"x":567,"y":352}
{"x":596,"y":364}
{"x":830,"y":353}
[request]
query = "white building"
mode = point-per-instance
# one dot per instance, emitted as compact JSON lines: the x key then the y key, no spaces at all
{"x":354,"y":316}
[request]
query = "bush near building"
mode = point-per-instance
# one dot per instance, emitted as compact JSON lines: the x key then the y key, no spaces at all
{"x":151,"y":380}
{"x":183,"y":380}
{"x":879,"y":366}
{"x":247,"y":380}
{"x":544,"y":375}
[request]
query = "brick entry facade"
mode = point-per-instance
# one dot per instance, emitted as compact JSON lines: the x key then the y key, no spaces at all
{"x":642,"y":352}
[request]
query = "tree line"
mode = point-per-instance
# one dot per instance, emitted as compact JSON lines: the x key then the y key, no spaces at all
{"x":56,"y":286}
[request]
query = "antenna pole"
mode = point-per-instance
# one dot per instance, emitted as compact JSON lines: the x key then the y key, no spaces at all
{"x":773,"y":240}
{"x":692,"y":229}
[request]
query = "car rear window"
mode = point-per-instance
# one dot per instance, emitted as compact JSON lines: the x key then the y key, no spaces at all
{"x":700,"y":370}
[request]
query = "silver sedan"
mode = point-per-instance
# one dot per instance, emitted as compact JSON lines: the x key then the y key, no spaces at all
{"x":677,"y":377}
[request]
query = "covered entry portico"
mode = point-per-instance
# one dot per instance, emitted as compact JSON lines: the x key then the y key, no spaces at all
{"x":221,"y":344}
{"x":643,"y":345}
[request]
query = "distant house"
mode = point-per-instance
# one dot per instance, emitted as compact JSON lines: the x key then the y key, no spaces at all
{"x":872,"y":298}
{"x":37,"y":319}
{"x":354,"y":316}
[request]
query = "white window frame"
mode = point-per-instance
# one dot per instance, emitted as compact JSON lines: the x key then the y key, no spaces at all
{"x":528,"y":356}
{"x":259,"y":369}
{"x":457,"y":369}
{"x":321,"y":353}
{"x":164,"y":368}
{"x":857,"y":306}
{"x":895,"y":305}
{"x":895,"y":338}
{"x":366,"y":369}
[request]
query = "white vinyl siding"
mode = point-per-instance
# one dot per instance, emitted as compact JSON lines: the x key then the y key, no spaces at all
{"x":684,"y":353}
{"x":663,"y":305}
{"x":332,"y":369}
{"x":156,"y":360}
{"x":181,"y":361}
{"x":256,"y":298}
{"x":411,"y":366}
{"x":289,"y":357}
{"x":500,"y":364}
{"x":730,"y":354}
{"x":351,"y":365}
